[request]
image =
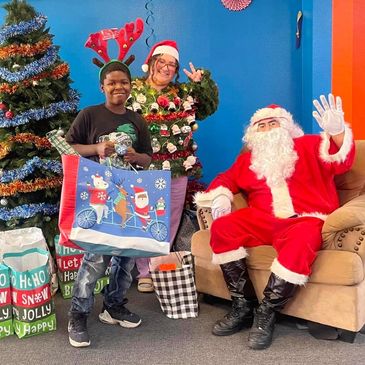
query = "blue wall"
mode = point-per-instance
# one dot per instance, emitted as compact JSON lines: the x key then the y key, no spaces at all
{"x":316,"y":57}
{"x":250,"y":53}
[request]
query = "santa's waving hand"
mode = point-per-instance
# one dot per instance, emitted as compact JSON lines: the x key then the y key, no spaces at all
{"x":329,"y":115}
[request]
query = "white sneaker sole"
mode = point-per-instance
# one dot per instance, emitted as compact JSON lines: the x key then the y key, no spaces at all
{"x":78,"y":344}
{"x":106,"y":318}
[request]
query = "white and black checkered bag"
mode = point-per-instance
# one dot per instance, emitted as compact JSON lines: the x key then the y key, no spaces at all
{"x":175,"y":289}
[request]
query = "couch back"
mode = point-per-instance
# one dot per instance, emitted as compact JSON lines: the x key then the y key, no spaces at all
{"x":352,"y":183}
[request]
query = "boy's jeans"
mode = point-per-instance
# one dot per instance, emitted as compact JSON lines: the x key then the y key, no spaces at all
{"x":93,"y":268}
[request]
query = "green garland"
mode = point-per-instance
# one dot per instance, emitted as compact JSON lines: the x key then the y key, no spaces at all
{"x":206,"y":94}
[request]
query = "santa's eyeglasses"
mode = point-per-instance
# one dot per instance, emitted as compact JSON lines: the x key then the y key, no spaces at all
{"x":267,"y":124}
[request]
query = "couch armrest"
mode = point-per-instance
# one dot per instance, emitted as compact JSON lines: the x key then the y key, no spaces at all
{"x":204,"y":214}
{"x":344,"y":229}
{"x":205,"y":218}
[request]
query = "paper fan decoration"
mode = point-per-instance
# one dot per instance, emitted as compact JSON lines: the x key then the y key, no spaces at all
{"x":236,"y":5}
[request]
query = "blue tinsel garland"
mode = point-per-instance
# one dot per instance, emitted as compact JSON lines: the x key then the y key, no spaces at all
{"x":21,"y":28}
{"x":29,"y":167}
{"x":42,"y":113}
{"x":33,"y":68}
{"x":28,"y":211}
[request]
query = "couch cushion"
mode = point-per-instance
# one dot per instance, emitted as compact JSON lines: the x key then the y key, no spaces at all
{"x":330,"y":266}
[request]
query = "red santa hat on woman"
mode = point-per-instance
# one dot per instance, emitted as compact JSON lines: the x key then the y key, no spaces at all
{"x":284,"y":117}
{"x":163,"y":47}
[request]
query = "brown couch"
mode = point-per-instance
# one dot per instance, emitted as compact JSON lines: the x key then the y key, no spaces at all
{"x":335,"y":293}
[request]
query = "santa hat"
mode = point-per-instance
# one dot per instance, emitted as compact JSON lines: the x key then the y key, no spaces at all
{"x":163,"y":47}
{"x":276,"y":111}
{"x":138,"y":190}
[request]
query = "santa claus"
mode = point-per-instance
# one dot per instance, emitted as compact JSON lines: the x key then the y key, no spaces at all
{"x":141,"y":205}
{"x":288,"y":179}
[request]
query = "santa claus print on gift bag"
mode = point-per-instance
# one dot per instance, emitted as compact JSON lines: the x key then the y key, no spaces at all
{"x":101,"y":204}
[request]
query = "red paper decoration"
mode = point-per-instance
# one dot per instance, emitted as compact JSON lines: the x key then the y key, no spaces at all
{"x":236,"y":5}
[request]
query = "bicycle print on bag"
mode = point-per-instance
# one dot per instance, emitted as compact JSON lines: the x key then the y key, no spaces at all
{"x":114,"y":205}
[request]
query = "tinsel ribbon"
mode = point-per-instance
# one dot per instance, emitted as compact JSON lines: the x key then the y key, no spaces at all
{"x":21,"y":28}
{"x":39,"y":142}
{"x":30,"y":186}
{"x":163,"y":117}
{"x":57,"y":73}
{"x":28,"y":211}
{"x":170,"y":156}
{"x":42,"y":113}
{"x":32,"y":68}
{"x":29,"y":167}
{"x":25,"y":50}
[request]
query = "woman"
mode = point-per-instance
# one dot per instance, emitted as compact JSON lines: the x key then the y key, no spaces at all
{"x":171,"y":109}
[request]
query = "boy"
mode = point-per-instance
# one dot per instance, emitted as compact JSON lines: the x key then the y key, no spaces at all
{"x":96,"y":133}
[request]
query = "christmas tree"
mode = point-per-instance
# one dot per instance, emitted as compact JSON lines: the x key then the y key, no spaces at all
{"x":35,"y":98}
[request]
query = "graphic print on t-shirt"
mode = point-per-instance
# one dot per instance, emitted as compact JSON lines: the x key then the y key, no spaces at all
{"x":123,"y":137}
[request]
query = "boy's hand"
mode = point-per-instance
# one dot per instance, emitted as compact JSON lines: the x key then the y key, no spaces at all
{"x":131,"y":156}
{"x":105,"y":149}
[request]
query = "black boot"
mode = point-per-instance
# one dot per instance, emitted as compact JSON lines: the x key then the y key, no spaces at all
{"x":241,"y":314}
{"x":276,"y":295}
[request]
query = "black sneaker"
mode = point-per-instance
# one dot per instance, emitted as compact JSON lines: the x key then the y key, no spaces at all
{"x":77,"y":330}
{"x":119,"y":315}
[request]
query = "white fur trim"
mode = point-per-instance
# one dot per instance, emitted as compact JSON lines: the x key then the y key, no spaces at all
{"x":281,"y":201}
{"x":145,"y":67}
{"x":224,"y":257}
{"x":166,"y":50}
{"x":314,"y":214}
{"x":205,"y":200}
{"x":266,"y":113}
{"x":290,"y":276}
{"x":342,"y":153}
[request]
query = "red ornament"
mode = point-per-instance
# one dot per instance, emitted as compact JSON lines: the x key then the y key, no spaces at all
{"x":163,"y":101}
{"x":9,"y":114}
{"x":3,"y":106}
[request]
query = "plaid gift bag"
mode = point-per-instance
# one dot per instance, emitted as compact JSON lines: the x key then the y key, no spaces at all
{"x":175,"y":288}
{"x":59,"y":143}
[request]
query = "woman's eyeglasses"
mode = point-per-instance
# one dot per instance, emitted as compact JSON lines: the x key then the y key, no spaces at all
{"x":170,"y":65}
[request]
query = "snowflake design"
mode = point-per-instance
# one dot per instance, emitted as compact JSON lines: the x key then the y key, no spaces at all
{"x":139,"y":180}
{"x":101,"y":196}
{"x":160,"y":183}
{"x":38,"y":298}
{"x":86,"y":168}
{"x":84,"y":195}
{"x":108,"y":173}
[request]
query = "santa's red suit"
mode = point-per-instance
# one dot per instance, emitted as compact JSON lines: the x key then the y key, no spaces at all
{"x":288,"y":216}
{"x":143,"y":214}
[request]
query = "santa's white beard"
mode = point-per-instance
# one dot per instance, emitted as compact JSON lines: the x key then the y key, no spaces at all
{"x":272,"y":155}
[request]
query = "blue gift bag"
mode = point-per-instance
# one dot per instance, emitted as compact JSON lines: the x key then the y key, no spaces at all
{"x":111,"y":211}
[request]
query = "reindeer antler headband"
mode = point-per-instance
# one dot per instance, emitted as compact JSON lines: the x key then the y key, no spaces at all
{"x":125,"y":37}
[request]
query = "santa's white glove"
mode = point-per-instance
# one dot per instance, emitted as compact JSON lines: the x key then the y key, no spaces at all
{"x":329,"y":115}
{"x":221,"y":206}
